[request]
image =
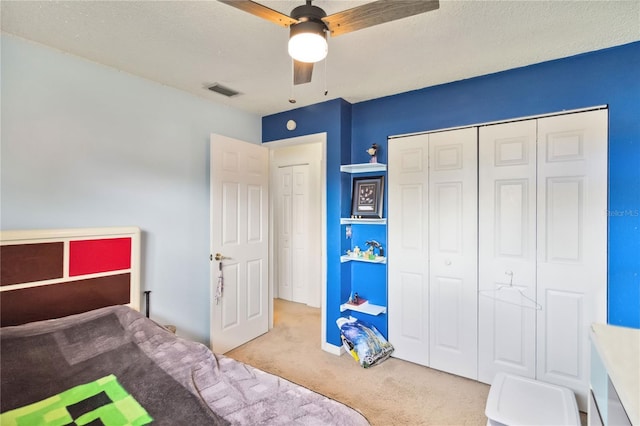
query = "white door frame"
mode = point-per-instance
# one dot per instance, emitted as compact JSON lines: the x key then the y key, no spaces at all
{"x":300,"y":140}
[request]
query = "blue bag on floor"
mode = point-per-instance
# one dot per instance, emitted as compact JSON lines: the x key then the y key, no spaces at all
{"x":363,"y":341}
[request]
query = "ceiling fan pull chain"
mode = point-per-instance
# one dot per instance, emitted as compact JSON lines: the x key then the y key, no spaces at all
{"x":326,"y":91}
{"x":292,"y":98}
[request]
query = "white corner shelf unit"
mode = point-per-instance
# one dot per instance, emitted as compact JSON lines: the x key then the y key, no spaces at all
{"x":366,"y":308}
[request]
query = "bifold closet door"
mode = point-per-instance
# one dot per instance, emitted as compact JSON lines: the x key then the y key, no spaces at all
{"x":453,"y":251}
{"x":292,"y":230}
{"x":408,"y":248}
{"x":572,"y":245}
{"x":284,"y":194}
{"x":432,"y":253}
{"x":540,"y":253}
{"x":507,"y":250}
{"x":300,"y":233}
{"x":542,"y":247}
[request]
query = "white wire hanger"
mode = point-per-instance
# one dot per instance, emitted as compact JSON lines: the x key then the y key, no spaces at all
{"x":525,"y":301}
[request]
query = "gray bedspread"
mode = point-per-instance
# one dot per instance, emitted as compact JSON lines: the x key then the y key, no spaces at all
{"x":176,"y":381}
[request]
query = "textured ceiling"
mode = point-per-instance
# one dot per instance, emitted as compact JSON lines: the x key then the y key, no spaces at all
{"x":192,"y":44}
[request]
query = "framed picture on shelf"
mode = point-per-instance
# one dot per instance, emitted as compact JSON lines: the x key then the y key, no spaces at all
{"x":367,"y":197}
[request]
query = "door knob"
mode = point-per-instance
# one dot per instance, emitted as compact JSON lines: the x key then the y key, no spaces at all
{"x":220,"y":257}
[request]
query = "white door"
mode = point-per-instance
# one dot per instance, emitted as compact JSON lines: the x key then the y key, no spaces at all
{"x":239,"y":232}
{"x":292,"y":211}
{"x":283,"y":230}
{"x":507,"y":250}
{"x":300,"y":233}
{"x":408,"y":248}
{"x":432,"y":256}
{"x":572,"y":244}
{"x":453,"y":251}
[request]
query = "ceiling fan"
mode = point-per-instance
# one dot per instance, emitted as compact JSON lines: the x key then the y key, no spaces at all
{"x":308,"y":25}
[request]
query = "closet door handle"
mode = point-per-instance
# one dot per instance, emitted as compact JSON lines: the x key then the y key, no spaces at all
{"x":447,"y":262}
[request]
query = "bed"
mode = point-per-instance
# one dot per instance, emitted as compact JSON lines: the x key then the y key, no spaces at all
{"x":76,"y":350}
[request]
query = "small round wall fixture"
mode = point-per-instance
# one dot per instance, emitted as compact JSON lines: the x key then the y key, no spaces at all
{"x":291,"y":125}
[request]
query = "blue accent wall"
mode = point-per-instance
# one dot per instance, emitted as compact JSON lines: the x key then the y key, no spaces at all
{"x":607,"y":77}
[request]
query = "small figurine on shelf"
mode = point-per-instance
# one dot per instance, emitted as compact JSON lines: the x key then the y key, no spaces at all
{"x":368,"y":254}
{"x":374,"y":244}
{"x":356,"y":251}
{"x":373,"y":152}
{"x":354,"y":299}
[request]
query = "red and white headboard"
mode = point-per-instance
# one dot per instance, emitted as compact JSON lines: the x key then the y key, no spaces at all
{"x":52,"y":273}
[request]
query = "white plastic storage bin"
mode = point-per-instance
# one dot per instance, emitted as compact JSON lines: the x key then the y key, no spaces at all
{"x":515,"y":400}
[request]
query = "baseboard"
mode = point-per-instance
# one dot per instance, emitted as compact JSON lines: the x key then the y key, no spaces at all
{"x":333,"y":349}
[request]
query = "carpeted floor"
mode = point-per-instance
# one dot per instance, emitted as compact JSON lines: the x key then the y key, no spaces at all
{"x":392,"y":393}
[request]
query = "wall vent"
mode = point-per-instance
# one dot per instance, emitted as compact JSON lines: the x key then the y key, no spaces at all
{"x":225,"y":91}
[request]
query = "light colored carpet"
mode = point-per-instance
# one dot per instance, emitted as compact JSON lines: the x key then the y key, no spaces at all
{"x":395,"y":392}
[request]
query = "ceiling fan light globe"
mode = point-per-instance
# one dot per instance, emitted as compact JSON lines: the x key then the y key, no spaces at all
{"x":308,"y":47}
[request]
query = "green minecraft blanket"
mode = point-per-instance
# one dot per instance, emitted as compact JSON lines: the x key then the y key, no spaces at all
{"x":51,"y":365}
{"x":103,"y":401}
{"x":60,"y":365}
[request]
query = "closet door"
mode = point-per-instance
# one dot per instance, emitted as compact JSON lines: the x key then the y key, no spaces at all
{"x":283,"y":206}
{"x":292,"y":230}
{"x":300,"y":233}
{"x":507,"y":250}
{"x":432,"y":256}
{"x":408,"y":249}
{"x":453,"y":251}
{"x":572,"y":244}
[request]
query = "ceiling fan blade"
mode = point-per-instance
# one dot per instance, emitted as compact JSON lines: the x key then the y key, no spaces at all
{"x":261,"y":11}
{"x":302,"y":72}
{"x":375,"y":13}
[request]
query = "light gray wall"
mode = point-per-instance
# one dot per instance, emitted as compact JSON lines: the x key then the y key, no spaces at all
{"x":85,"y":145}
